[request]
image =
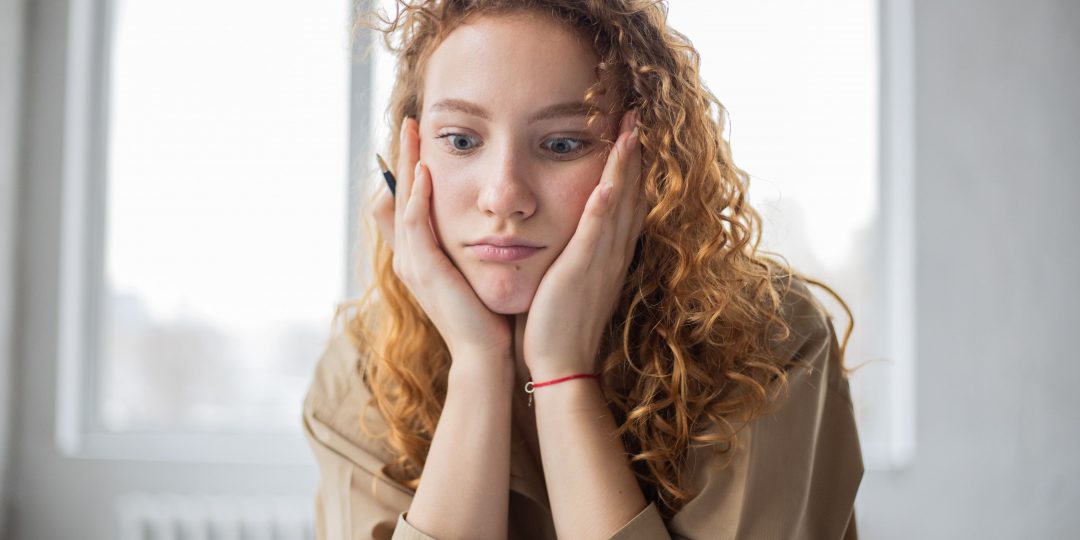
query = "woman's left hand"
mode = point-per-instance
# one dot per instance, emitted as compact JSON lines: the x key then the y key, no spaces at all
{"x":576,"y":297}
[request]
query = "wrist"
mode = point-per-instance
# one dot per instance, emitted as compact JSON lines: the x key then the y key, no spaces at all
{"x":548,"y":381}
{"x":581,"y":392}
{"x":481,"y":368}
{"x":488,"y":354}
{"x":549,"y":371}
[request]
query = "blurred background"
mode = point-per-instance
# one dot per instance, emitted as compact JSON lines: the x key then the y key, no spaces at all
{"x":178,"y":185}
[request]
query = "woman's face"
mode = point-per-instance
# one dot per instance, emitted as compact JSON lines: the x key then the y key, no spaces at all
{"x":509,"y":156}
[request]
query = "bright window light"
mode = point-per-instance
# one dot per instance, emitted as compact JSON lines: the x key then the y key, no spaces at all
{"x":225,"y":236}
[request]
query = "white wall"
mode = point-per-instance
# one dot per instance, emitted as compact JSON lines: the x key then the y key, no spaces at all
{"x":997,"y":100}
{"x":11,"y":57}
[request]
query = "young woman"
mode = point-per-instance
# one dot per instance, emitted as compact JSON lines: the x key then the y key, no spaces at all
{"x":570,"y":332}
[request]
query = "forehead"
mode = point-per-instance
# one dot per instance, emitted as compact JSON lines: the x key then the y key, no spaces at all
{"x":512,"y":62}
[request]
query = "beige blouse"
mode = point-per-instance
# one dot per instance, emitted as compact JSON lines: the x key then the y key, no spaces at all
{"x":794,"y":475}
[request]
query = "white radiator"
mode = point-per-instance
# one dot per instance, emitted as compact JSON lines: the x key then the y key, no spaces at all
{"x":144,"y":516}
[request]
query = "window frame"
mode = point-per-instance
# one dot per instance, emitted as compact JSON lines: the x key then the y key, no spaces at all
{"x":896,"y":207}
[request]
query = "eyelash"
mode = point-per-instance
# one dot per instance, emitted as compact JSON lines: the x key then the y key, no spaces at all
{"x":584,"y":145}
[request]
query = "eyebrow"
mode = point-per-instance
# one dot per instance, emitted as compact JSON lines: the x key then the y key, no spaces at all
{"x":558,"y":110}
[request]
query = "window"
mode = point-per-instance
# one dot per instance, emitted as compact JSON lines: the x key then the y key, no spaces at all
{"x":217,"y":238}
{"x":802,"y":86}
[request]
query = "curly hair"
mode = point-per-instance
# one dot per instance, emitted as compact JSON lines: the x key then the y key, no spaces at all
{"x":693,"y":340}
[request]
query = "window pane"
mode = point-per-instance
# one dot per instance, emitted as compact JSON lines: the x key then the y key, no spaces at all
{"x":225,"y":210}
{"x":800,"y":83}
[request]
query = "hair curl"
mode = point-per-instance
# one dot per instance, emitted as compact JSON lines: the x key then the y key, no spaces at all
{"x":691,"y":342}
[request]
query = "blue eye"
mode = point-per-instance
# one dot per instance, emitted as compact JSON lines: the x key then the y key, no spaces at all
{"x":455,"y":146}
{"x":561,"y":147}
{"x":565,"y":146}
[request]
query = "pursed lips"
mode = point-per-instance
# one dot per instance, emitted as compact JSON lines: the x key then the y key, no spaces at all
{"x":498,"y":253}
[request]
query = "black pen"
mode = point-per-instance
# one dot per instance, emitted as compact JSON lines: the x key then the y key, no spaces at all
{"x":389,"y":176}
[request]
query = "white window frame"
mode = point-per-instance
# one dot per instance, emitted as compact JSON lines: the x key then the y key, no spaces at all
{"x":897,"y":217}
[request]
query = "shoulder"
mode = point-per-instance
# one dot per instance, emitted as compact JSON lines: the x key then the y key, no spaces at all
{"x":797,"y":467}
{"x":811,"y":344}
{"x":805,"y":316}
{"x":355,"y":495}
{"x":337,"y":398}
{"x":335,"y":370}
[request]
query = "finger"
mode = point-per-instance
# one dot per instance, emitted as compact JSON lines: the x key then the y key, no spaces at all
{"x":596,"y":217}
{"x":632,"y":165}
{"x":408,"y":155}
{"x":621,"y":206}
{"x":637,"y":227}
{"x":616,"y":166}
{"x":628,"y":188}
{"x":583,"y":245}
{"x":422,"y":246}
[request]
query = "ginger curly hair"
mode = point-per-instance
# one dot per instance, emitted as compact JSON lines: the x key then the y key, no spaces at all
{"x":692,"y":343}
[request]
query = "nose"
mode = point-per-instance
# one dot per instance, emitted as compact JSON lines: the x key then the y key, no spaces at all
{"x":506,"y":193}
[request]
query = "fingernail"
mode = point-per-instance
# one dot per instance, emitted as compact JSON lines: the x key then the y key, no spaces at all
{"x":416,"y":172}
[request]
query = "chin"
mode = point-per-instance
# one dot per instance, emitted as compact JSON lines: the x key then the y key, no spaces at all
{"x":508,"y":307}
{"x":505,"y":293}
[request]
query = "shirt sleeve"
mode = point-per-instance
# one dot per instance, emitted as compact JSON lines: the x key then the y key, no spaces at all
{"x":354,"y":499}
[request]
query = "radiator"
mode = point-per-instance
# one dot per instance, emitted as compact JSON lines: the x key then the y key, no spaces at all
{"x":168,"y":516}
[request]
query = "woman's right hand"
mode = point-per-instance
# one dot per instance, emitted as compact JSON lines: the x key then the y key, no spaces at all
{"x":469,"y":328}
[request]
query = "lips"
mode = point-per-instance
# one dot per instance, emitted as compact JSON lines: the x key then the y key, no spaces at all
{"x":506,"y":241}
{"x":506,"y":248}
{"x":493,"y":253}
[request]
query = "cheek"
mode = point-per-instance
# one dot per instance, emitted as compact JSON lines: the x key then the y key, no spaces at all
{"x":448,"y":199}
{"x":570,"y":203}
{"x":449,"y":196}
{"x":574,"y":201}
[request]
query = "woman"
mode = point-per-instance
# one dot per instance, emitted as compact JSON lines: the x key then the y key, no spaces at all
{"x":566,"y":206}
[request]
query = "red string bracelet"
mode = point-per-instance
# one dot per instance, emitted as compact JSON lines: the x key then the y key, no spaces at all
{"x":531,"y":387}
